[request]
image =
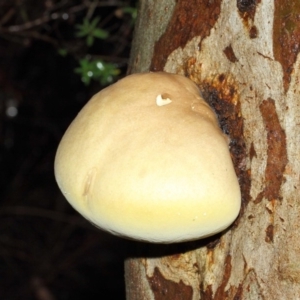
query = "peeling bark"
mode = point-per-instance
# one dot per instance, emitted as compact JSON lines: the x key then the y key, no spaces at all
{"x":276,"y":152}
{"x":244,"y":56}
{"x":166,"y":289}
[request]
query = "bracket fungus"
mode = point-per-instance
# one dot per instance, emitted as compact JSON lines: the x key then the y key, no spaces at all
{"x":145,"y":159}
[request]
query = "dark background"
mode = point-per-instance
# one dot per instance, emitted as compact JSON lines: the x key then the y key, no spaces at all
{"x":47,"y":250}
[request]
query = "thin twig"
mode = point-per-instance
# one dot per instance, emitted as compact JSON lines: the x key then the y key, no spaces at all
{"x":7,"y":16}
{"x":42,"y":20}
{"x":41,"y":291}
{"x":38,"y":36}
{"x":28,"y":25}
{"x":91,"y":9}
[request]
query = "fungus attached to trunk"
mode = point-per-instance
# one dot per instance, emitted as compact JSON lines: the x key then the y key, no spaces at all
{"x":145,"y":159}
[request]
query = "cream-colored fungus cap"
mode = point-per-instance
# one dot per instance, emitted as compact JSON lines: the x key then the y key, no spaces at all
{"x":145,"y":159}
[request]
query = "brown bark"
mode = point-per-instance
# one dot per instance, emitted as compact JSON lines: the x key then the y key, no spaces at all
{"x":244,"y":56}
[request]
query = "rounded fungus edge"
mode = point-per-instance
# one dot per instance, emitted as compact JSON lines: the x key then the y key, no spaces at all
{"x":145,"y":159}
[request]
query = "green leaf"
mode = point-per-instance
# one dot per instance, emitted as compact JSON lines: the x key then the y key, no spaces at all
{"x":100,"y":33}
{"x":131,"y":11}
{"x":81,"y":33}
{"x":90,"y":31}
{"x":90,"y":40}
{"x":63,"y":52}
{"x":85,"y":22}
{"x":94,"y":22}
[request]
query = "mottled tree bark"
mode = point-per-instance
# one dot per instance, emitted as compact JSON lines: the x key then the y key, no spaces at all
{"x":244,"y":56}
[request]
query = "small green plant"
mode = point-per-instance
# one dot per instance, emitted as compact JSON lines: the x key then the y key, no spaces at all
{"x":97,"y":70}
{"x":94,"y":69}
{"x":89,"y":30}
{"x":132,"y":11}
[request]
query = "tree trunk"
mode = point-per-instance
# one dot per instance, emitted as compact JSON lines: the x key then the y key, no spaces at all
{"x":243,"y":55}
